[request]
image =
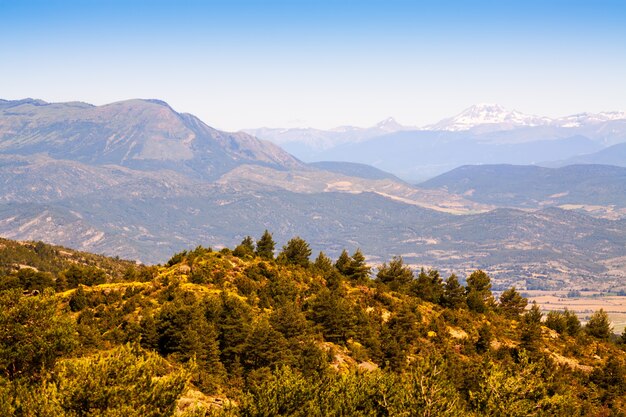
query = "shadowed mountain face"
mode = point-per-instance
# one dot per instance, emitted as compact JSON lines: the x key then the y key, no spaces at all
{"x":613,"y":155}
{"x":534,"y":187}
{"x":138,"y":134}
{"x":138,"y":180}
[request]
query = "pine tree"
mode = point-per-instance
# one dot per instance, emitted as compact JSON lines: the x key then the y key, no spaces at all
{"x":599,"y":325}
{"x":396,"y":275}
{"x":453,"y":293}
{"x":479,"y":297}
{"x":296,"y":252}
{"x":343,"y":263}
{"x":78,"y":301}
{"x":323,"y":263}
{"x":358,"y":270}
{"x":512,"y":304}
{"x":245,"y":248}
{"x":429,"y":286}
{"x":265,"y":246}
{"x":531,"y":328}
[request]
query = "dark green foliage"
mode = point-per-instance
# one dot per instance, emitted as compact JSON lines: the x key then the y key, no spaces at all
{"x":479,"y":297}
{"x":428,"y":286}
{"x":453,"y":294}
{"x":512,"y":304}
{"x":100,"y":385}
{"x":265,"y":246}
{"x":296,"y":252}
{"x":177,"y":258}
{"x":483,"y":343}
{"x":333,"y":314}
{"x":290,"y":321}
{"x":599,"y":325}
{"x":32,"y":335}
{"x":245,"y":248}
{"x":85,"y":275}
{"x":396,"y":275}
{"x":531,"y":328}
{"x":323,"y":263}
{"x":343,"y":263}
{"x":265,"y":347}
{"x":78,"y":301}
{"x":611,"y":378}
{"x":563,"y":322}
{"x":279,"y":339}
{"x":233,"y":319}
{"x":358,"y":270}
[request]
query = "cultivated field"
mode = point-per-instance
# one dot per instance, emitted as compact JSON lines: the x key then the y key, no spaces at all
{"x":584,"y":305}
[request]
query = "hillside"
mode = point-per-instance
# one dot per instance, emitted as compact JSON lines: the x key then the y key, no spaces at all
{"x":600,"y":188}
{"x":612,"y":155}
{"x":138,"y":134}
{"x":138,"y":180}
{"x":239,"y":333}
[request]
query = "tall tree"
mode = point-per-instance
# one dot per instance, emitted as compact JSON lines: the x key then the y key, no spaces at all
{"x":396,"y":275}
{"x":531,"y":328}
{"x":479,"y":297}
{"x":453,"y":293}
{"x":358,"y":271}
{"x":343,"y":263}
{"x":265,"y":246}
{"x":429,"y":286}
{"x":323,"y":263}
{"x":512,"y":304}
{"x":297,"y":252}
{"x":245,"y":248}
{"x":599,"y":325}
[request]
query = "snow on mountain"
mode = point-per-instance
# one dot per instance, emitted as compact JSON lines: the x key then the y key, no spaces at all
{"x":582,"y":119}
{"x":390,"y":125}
{"x":488,"y":115}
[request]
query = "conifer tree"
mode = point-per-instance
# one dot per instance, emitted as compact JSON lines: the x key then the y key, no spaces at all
{"x":245,"y":248}
{"x":531,"y":328}
{"x":343,"y":263}
{"x":396,"y":275}
{"x":297,"y":252}
{"x":265,"y":246}
{"x":479,"y":297}
{"x":512,"y":304}
{"x":453,"y":293}
{"x":573,"y":323}
{"x":599,"y":325}
{"x":323,"y":263}
{"x":358,"y":270}
{"x":429,"y":286}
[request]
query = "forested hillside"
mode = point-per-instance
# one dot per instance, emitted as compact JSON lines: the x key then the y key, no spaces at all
{"x":242,"y":333}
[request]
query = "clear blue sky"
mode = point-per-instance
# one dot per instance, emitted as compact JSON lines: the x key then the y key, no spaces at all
{"x":240,"y":64}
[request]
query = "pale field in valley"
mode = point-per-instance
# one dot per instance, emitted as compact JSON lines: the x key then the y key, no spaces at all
{"x":583,"y":306}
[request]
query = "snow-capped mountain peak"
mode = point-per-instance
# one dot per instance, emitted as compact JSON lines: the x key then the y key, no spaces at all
{"x":581,"y":119}
{"x":389,"y":125}
{"x":488,"y":115}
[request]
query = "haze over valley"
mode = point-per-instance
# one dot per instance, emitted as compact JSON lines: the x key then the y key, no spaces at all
{"x":138,"y":180}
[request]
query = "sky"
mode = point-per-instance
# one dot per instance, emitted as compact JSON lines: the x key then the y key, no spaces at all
{"x":242,"y":64}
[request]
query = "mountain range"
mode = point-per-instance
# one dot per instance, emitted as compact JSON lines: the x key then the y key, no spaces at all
{"x":481,"y":134}
{"x":138,"y":180}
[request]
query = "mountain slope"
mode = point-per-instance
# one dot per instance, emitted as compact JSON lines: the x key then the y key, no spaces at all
{"x":613,"y":155}
{"x":139,"y":134}
{"x":138,"y":180}
{"x":534,"y":187}
{"x":418,"y":155}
